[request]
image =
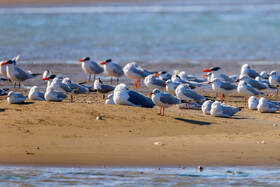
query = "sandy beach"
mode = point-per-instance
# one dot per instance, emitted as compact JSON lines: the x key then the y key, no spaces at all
{"x":50,"y":133}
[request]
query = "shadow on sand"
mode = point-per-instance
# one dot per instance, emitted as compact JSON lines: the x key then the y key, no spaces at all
{"x":193,"y":121}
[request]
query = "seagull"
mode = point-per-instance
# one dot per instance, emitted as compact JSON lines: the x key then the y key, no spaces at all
{"x":102,"y":88}
{"x":152,"y":82}
{"x":177,"y":78}
{"x":164,"y":100}
{"x":124,"y":96}
{"x":16,"y":97}
{"x":208,"y":75}
{"x":217,"y":73}
{"x":171,"y":86}
{"x":220,"y":110}
{"x":253,"y":103}
{"x":4,"y":91}
{"x":274,"y":79}
{"x":206,"y":107}
{"x":134,"y":71}
{"x":78,"y":89}
{"x":16,"y":74}
{"x":185,"y":94}
{"x":223,"y":87}
{"x":52,"y":95}
{"x":261,"y":80}
{"x":90,"y":67}
{"x":246,"y":90}
{"x":3,"y":67}
{"x":264,"y":75}
{"x":246,"y":70}
{"x":58,"y":85}
{"x":48,"y":78}
{"x":184,"y":76}
{"x":265,"y":106}
{"x":35,"y":94}
{"x":112,"y":69}
{"x":110,"y":100}
{"x":163,"y":75}
{"x":254,"y":83}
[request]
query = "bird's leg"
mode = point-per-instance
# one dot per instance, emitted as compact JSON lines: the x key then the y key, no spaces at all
{"x":163,"y":111}
{"x":71,"y":98}
{"x":245,"y":99}
{"x":103,"y":96}
{"x":111,"y":80}
{"x":117,"y":80}
{"x":159,"y":111}
{"x":19,"y":85}
{"x":223,"y":98}
{"x":186,"y":106}
{"x":277,"y":90}
{"x":15,"y":84}
{"x":139,"y":82}
{"x":89,"y":78}
{"x":135,"y":83}
{"x":189,"y":106}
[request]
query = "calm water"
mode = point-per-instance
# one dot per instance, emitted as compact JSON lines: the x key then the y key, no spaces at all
{"x":219,"y":176}
{"x":153,"y":32}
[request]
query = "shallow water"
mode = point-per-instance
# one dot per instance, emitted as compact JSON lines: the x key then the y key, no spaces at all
{"x":151,"y":33}
{"x":212,"y":176}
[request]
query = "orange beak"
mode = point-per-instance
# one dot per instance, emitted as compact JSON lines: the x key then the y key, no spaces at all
{"x":210,"y":82}
{"x":156,"y":74}
{"x":81,"y":60}
{"x":206,"y":70}
{"x":204,"y":75}
{"x":164,"y":84}
{"x":46,"y":79}
{"x":151,"y":93}
{"x":238,"y":80}
{"x":102,"y":63}
{"x":4,"y":63}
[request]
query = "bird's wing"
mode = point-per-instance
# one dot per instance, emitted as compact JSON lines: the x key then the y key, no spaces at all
{"x":61,"y":95}
{"x":226,"y":78}
{"x":20,"y":96}
{"x":253,"y":90}
{"x":192,"y":94}
{"x":118,"y":70}
{"x":21,"y":75}
{"x":169,"y":99}
{"x":158,"y":82}
{"x":257,"y":84}
{"x":140,"y":72}
{"x":228,"y":86}
{"x":96,"y":68}
{"x":41,"y":95}
{"x":65,"y":87}
{"x":230,"y":110}
{"x":139,"y":99}
{"x":253,"y":74}
{"x":106,"y":88}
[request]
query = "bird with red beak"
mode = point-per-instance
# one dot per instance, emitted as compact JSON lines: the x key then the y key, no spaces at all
{"x":91,"y":67}
{"x":112,"y":69}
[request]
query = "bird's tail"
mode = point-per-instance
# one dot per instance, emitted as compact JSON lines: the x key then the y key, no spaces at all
{"x":36,"y":74}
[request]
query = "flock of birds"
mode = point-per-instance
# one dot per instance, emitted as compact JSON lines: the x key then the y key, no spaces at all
{"x":180,"y":87}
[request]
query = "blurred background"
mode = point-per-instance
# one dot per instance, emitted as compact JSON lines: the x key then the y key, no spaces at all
{"x":142,"y":31}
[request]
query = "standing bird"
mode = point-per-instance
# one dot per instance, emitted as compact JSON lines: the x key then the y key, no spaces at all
{"x":16,"y":74}
{"x":217,"y":73}
{"x":274,"y":79}
{"x":52,"y":95}
{"x":253,"y":103}
{"x":35,"y":94}
{"x":265,"y":106}
{"x":171,"y":86}
{"x":135,"y":72}
{"x":90,"y":67}
{"x":206,"y":107}
{"x":3,"y":67}
{"x":222,"y":87}
{"x":152,"y":82}
{"x":246,"y":70}
{"x":112,"y":69}
{"x":16,"y":97}
{"x":185,"y":94}
{"x":246,"y":90}
{"x":220,"y":110}
{"x":124,"y":96}
{"x":163,"y":100}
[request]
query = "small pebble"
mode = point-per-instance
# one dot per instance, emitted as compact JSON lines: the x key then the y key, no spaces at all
{"x":88,"y":102}
{"x":99,"y":117}
{"x":275,"y":125}
{"x":262,"y":142}
{"x":158,"y":143}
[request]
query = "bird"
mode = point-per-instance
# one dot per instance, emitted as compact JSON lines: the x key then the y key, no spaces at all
{"x":110,"y":99}
{"x":112,"y":69}
{"x":246,"y":70}
{"x":265,"y":106}
{"x":16,"y":97}
{"x":152,"y":82}
{"x":264,"y":75}
{"x":35,"y":94}
{"x":185,"y":94}
{"x":77,"y":88}
{"x":246,"y":90}
{"x":52,"y":95}
{"x":222,"y":87}
{"x":163,"y":100}
{"x":206,"y":107}
{"x":91,"y":67}
{"x":274,"y":79}
{"x":3,"y":68}
{"x":134,"y":71}
{"x":58,"y":85}
{"x":217,"y":73}
{"x":123,"y":95}
{"x":253,"y":103}
{"x":171,"y":86}
{"x":184,"y":76}
{"x":4,"y":91}
{"x":16,"y":74}
{"x":163,"y":75}
{"x":220,"y":110}
{"x":254,"y":83}
{"x":102,"y":88}
{"x":191,"y":84}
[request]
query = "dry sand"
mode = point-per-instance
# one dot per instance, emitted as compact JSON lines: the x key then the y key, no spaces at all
{"x":50,"y":133}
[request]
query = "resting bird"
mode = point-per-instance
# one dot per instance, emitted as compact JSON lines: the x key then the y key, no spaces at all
{"x":35,"y":94}
{"x":222,"y":87}
{"x":206,"y":107}
{"x":254,"y":83}
{"x":124,"y":96}
{"x":102,"y":88}
{"x":265,"y":106}
{"x":110,"y":100}
{"x":52,"y":95}
{"x":16,"y":97}
{"x":152,"y":82}
{"x":246,"y":70}
{"x":77,"y":88}
{"x":220,"y":110}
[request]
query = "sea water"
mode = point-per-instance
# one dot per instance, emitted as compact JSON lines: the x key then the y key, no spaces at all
{"x":153,"y":32}
{"x":210,"y":176}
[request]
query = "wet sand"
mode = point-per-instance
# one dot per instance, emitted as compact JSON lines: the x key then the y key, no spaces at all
{"x":51,"y":133}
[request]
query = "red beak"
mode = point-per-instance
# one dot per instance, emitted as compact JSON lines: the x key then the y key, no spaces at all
{"x":4,"y":63}
{"x":204,"y":75}
{"x":207,"y":70}
{"x":151,"y":93}
{"x":268,"y":75}
{"x":81,"y":60}
{"x":46,"y":79}
{"x":238,"y":80}
{"x":102,"y":63}
{"x":210,"y":82}
{"x":164,"y":84}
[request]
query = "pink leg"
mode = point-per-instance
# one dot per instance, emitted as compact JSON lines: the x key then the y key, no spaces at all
{"x":159,"y":111}
{"x":277,"y":91}
{"x":163,"y":111}
{"x":223,"y":97}
{"x":189,"y":106}
{"x":139,"y":82}
{"x":135,"y":83}
{"x":245,"y":99}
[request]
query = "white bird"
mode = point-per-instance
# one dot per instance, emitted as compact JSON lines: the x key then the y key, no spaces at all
{"x":16,"y":74}
{"x":220,"y":110}
{"x":58,"y":85}
{"x":191,"y":84}
{"x":124,"y":96}
{"x":265,"y":106}
{"x":185,"y":94}
{"x":246,"y":90}
{"x":163,"y":75}
{"x":206,"y":107}
{"x":16,"y":97}
{"x":171,"y":86}
{"x":102,"y":88}
{"x":274,"y":79}
{"x":77,"y":88}
{"x":246,"y":70}
{"x":35,"y":94}
{"x":253,"y":103}
{"x":217,"y":73}
{"x":4,"y":91}
{"x":90,"y":67}
{"x":152,"y":82}
{"x":264,"y":75}
{"x":134,"y":71}
{"x":110,"y":100}
{"x":52,"y":95}
{"x":222,"y":87}
{"x":163,"y":100}
{"x":184,"y":76}
{"x":3,"y":67}
{"x":112,"y":69}
{"x":46,"y":74}
{"x":254,"y":83}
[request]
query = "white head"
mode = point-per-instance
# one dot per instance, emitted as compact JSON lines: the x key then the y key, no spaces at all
{"x":264,"y":75}
{"x":168,"y":82}
{"x":85,"y":59}
{"x":34,"y":89}
{"x":46,"y":74}
{"x":97,"y":83}
{"x":274,"y":74}
{"x":183,"y":86}
{"x":156,"y":92}
{"x":263,"y":100}
{"x":11,"y":94}
{"x":121,"y":88}
{"x":244,"y":69}
{"x":66,"y":80}
{"x":206,"y":106}
{"x":216,"y":105}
